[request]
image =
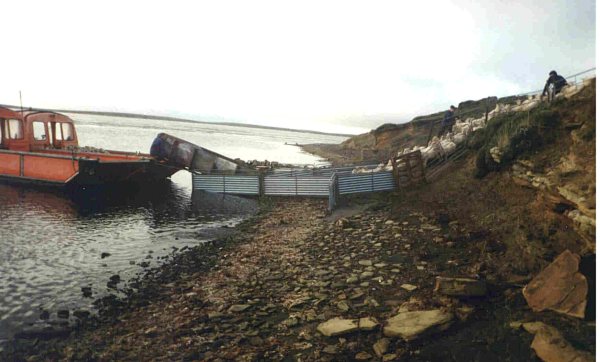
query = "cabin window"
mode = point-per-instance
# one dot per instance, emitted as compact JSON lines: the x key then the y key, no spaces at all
{"x":39,"y":131}
{"x":57,"y":131}
{"x":67,"y":131}
{"x":14,"y":129}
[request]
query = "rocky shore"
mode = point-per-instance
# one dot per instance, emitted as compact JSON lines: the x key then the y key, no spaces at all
{"x":378,"y":280}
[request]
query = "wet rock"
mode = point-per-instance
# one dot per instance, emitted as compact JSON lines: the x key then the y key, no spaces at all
{"x":343,"y":306}
{"x":362,"y":356}
{"x":291,"y":322}
{"x":390,"y":357}
{"x":408,"y":287}
{"x":45,"y":315}
{"x":357,"y":294}
{"x":104,"y":255}
{"x":337,"y":326}
{"x":255,"y":341}
{"x":515,"y":324}
{"x":460,"y":287}
{"x":352,"y":280}
{"x":381,"y":347}
{"x":411,"y":325}
{"x":86,"y":291}
{"x":550,"y":345}
{"x":214,"y":315}
{"x":367,"y":324}
{"x":464,"y":312}
{"x":559,"y":287}
{"x":63,"y":313}
{"x":344,"y":223}
{"x":81,"y":314}
{"x":367,"y":274}
{"x":152,"y":331}
{"x":331,"y":349}
{"x":236,"y":308}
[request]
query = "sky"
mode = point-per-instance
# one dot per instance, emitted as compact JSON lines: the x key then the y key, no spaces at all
{"x":332,"y":66}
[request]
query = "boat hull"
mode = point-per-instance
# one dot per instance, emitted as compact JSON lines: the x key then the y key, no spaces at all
{"x":59,"y":169}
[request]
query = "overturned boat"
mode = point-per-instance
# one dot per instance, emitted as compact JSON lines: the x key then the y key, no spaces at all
{"x":41,"y":147}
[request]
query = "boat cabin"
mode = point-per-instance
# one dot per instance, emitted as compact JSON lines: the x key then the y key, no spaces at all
{"x":42,"y":147}
{"x":35,"y":130}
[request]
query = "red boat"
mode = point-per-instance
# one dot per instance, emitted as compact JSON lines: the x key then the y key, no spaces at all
{"x":42,"y":147}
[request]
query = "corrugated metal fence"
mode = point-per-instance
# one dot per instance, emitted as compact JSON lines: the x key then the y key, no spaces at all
{"x":227,"y":184}
{"x":370,"y":182}
{"x":330,"y":183}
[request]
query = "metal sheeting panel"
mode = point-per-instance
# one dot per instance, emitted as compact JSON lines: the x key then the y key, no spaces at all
{"x":297,"y":186}
{"x":353,"y":184}
{"x":239,"y":185}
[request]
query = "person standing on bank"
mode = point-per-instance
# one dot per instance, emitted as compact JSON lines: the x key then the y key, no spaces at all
{"x":448,"y":121}
{"x":557,"y":81}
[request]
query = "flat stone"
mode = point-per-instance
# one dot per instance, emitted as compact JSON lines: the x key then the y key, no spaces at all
{"x":236,"y":308}
{"x":390,"y":357}
{"x":381,"y":347}
{"x":460,"y":287}
{"x":357,"y":295}
{"x":352,"y":280}
{"x":550,"y":345}
{"x":367,"y":324}
{"x":408,"y":287}
{"x":214,"y":315}
{"x":338,"y":326}
{"x":331,"y":349}
{"x":515,"y":324}
{"x":411,"y":325}
{"x":365,"y":262}
{"x":364,"y":284}
{"x":559,"y":287}
{"x":343,"y":306}
{"x":367,"y":274}
{"x":362,"y":356}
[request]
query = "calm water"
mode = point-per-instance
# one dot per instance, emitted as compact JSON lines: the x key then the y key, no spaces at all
{"x":51,"y":243}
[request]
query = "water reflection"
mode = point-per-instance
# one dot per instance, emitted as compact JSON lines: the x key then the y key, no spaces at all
{"x":53,"y":243}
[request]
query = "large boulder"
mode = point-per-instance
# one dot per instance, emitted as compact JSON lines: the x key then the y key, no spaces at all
{"x":559,"y":287}
{"x":550,"y":345}
{"x":411,"y":325}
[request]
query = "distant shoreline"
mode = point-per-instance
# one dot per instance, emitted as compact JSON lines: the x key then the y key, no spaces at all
{"x":147,"y":116}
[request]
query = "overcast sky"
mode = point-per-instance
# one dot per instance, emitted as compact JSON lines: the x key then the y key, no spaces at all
{"x":324,"y":65}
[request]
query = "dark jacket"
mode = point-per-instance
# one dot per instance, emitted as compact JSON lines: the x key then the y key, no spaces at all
{"x":557,"y":80}
{"x":448,"y":118}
